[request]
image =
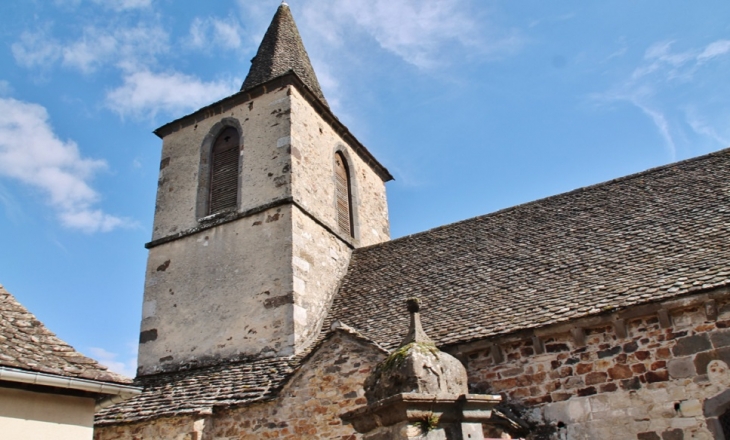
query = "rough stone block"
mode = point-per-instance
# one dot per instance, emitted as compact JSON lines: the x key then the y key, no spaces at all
{"x":702,"y":359}
{"x":720,"y":338}
{"x":620,"y":371}
{"x":596,"y":377}
{"x":609,"y":352}
{"x":631,"y":384}
{"x":648,"y":436}
{"x":657,"y":376}
{"x":682,"y":367}
{"x":569,"y":412}
{"x":691,"y":345}
{"x":674,"y":434}
{"x":690,"y":408}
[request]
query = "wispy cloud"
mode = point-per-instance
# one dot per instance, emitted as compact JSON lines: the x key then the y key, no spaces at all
{"x":421,"y":33}
{"x":145,"y":93}
{"x":31,"y":153}
{"x":111,"y":360}
{"x":36,"y":49}
{"x":124,"y":47}
{"x":214,"y":31}
{"x":424,"y":34}
{"x":121,"y":5}
{"x":665,"y":84}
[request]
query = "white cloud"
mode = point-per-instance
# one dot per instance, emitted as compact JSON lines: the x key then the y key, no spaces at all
{"x":30,"y":152}
{"x":422,"y":33}
{"x":36,"y":49}
{"x":715,"y":49}
{"x":121,"y":5}
{"x":223,"y":33}
{"x":125,"y":47}
{"x":145,"y":94}
{"x":703,"y":126}
{"x":667,"y":83}
{"x":426,"y":34}
{"x":109,"y":359}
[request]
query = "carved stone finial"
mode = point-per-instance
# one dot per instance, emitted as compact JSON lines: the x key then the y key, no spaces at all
{"x":416,"y":366}
{"x":415,"y":330}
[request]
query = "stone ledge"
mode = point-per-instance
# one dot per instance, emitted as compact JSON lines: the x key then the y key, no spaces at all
{"x":412,"y":407}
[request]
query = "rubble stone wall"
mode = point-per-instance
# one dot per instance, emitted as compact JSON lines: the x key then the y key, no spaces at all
{"x":645,"y":377}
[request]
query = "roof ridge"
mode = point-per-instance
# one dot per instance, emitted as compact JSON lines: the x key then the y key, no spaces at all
{"x":639,"y":174}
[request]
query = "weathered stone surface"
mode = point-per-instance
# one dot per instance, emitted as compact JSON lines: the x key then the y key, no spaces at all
{"x":417,"y":366}
{"x":720,"y":338}
{"x":691,"y":345}
{"x":683,"y":367}
{"x":647,"y":391}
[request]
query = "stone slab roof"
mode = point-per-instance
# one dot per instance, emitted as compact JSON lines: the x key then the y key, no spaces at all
{"x":281,"y":51}
{"x":195,"y":391}
{"x":643,"y":238}
{"x":26,"y":344}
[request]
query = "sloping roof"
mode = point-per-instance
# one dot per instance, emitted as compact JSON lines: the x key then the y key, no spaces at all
{"x":646,"y":237}
{"x":280,"y":51}
{"x":26,"y":344}
{"x":193,"y":391}
{"x":223,"y":385}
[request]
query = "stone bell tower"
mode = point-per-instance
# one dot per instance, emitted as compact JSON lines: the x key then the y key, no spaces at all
{"x":261,"y":198}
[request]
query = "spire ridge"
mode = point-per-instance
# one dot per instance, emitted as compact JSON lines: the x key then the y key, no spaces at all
{"x":280,"y":52}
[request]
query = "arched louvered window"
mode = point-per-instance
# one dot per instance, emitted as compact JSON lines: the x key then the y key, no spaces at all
{"x":224,"y":172}
{"x":343,"y":194}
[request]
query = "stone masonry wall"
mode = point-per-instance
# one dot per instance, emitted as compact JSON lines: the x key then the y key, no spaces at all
{"x":314,"y":144}
{"x":309,"y":406}
{"x":319,"y":261}
{"x":641,"y":377}
{"x":237,"y":276}
{"x":265,"y":164}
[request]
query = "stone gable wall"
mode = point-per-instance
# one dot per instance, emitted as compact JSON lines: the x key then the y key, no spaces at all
{"x":308,"y":407}
{"x":645,"y":377}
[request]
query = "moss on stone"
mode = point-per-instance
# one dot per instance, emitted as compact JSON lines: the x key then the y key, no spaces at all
{"x":396,"y":359}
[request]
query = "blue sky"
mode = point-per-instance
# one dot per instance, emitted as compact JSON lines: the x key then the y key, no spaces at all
{"x":473,"y":105}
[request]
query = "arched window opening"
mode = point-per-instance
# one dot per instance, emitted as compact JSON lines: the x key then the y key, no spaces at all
{"x":344,"y":195}
{"x":725,"y":423}
{"x":224,"y":172}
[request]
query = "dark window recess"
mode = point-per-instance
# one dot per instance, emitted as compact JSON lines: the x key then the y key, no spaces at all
{"x":224,"y":172}
{"x":344,"y":195}
{"x":725,"y":423}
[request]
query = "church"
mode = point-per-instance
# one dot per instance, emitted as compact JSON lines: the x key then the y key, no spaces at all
{"x":273,"y":290}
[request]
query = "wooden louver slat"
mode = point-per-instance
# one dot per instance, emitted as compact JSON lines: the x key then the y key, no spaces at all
{"x":224,"y":172}
{"x":342,"y":184}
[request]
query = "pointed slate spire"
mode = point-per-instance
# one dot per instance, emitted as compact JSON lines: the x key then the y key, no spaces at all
{"x":282,"y":50}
